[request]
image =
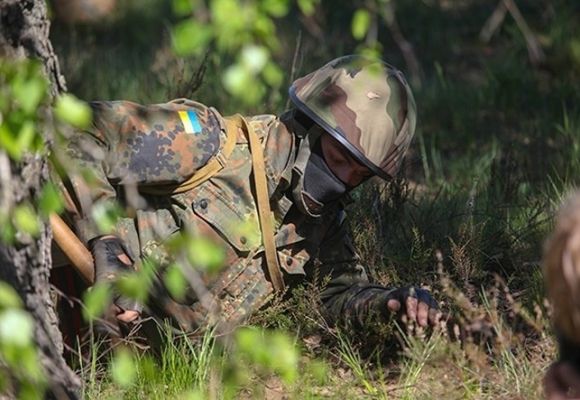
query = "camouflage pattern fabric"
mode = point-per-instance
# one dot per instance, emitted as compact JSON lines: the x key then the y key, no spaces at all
{"x":131,"y":146}
{"x":366,"y":105}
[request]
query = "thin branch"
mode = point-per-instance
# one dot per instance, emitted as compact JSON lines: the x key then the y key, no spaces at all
{"x":415,"y":71}
{"x":186,"y":88}
{"x":295,"y":62}
{"x":535,"y":51}
{"x":494,"y":22}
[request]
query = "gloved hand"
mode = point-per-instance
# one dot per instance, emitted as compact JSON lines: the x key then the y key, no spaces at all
{"x":414,"y":305}
{"x":113,"y":259}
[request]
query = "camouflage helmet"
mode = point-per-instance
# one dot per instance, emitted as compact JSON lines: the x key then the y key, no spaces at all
{"x":366,"y":105}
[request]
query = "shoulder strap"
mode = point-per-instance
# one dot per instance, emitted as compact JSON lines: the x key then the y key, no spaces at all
{"x":262,"y":200}
{"x":216,"y":164}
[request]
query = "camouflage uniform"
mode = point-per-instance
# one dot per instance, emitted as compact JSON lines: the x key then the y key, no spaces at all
{"x":162,"y":145}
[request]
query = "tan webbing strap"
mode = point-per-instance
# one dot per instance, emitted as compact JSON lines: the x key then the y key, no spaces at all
{"x":263,"y":201}
{"x":259,"y":172}
{"x":216,"y":164}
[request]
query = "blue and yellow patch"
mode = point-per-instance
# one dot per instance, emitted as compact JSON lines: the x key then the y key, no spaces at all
{"x":190,"y":122}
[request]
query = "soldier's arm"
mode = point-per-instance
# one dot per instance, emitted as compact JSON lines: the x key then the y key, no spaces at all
{"x":152,"y":147}
{"x":90,"y":185}
{"x":88,"y":181}
{"x":348,"y":296}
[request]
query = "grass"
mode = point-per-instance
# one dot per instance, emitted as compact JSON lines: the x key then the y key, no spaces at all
{"x":497,"y":148}
{"x":504,"y":361}
{"x":181,"y":366}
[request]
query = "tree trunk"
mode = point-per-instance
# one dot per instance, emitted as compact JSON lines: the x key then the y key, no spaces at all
{"x":26,"y":264}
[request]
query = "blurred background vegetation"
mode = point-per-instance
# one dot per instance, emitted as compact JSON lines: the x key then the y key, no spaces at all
{"x":497,"y":145}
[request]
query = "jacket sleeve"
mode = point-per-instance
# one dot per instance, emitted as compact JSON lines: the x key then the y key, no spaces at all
{"x":347,"y":295}
{"x":132,"y":146}
{"x":87,"y":181}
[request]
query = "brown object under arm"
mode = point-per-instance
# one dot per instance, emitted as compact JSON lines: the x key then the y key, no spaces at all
{"x":79,"y":256}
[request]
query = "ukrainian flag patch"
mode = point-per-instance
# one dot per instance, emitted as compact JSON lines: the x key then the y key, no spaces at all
{"x":190,"y":122}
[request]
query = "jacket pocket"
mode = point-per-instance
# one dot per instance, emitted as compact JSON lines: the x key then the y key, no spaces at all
{"x":292,"y":260}
{"x":154,"y":228}
{"x":245,"y":294}
{"x":238,"y":224}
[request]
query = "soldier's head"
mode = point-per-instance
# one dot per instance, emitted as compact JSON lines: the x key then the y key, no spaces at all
{"x":357,"y":117}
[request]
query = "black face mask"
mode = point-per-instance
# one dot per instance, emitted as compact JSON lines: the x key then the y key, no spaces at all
{"x":320,"y":183}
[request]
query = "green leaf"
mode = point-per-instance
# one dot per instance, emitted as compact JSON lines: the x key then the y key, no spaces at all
{"x":205,"y":255}
{"x":265,"y":29}
{"x":96,"y":301}
{"x":26,"y":220}
{"x":31,"y":390}
{"x":50,"y":200}
{"x":273,"y":75}
{"x":191,"y":37}
{"x":371,"y":52}
{"x":182,"y":7}
{"x":106,"y":216}
{"x":16,"y":327}
{"x":25,"y":136}
{"x":73,"y":111}
{"x":8,"y":297}
{"x":249,"y":339}
{"x":272,"y":351}
{"x":123,"y":368}
{"x":229,"y":14}
{"x":237,"y":79}
{"x":254,"y":58}
{"x":276,"y":8}
{"x":7,"y":233}
{"x":134,"y":285}
{"x":175,"y":282}
{"x":29,"y":92}
{"x":241,"y":83}
{"x":9,"y":143}
{"x":284,"y":356}
{"x":360,"y":23}
{"x":307,"y":6}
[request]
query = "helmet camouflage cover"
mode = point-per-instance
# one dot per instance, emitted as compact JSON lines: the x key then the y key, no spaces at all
{"x":366,"y":105}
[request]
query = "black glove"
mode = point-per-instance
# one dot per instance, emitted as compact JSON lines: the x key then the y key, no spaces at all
{"x":422,"y":295}
{"x":113,"y":259}
{"x":415,"y":304}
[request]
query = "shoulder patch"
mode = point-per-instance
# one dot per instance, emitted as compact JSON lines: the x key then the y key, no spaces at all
{"x":190,"y":122}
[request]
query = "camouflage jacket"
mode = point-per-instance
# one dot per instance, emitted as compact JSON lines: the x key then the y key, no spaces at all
{"x":156,"y":145}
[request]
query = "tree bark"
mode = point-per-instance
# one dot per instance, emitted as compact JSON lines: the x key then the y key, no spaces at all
{"x":26,"y":263}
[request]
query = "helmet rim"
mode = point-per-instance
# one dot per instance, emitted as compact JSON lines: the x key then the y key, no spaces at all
{"x":338,"y":135}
